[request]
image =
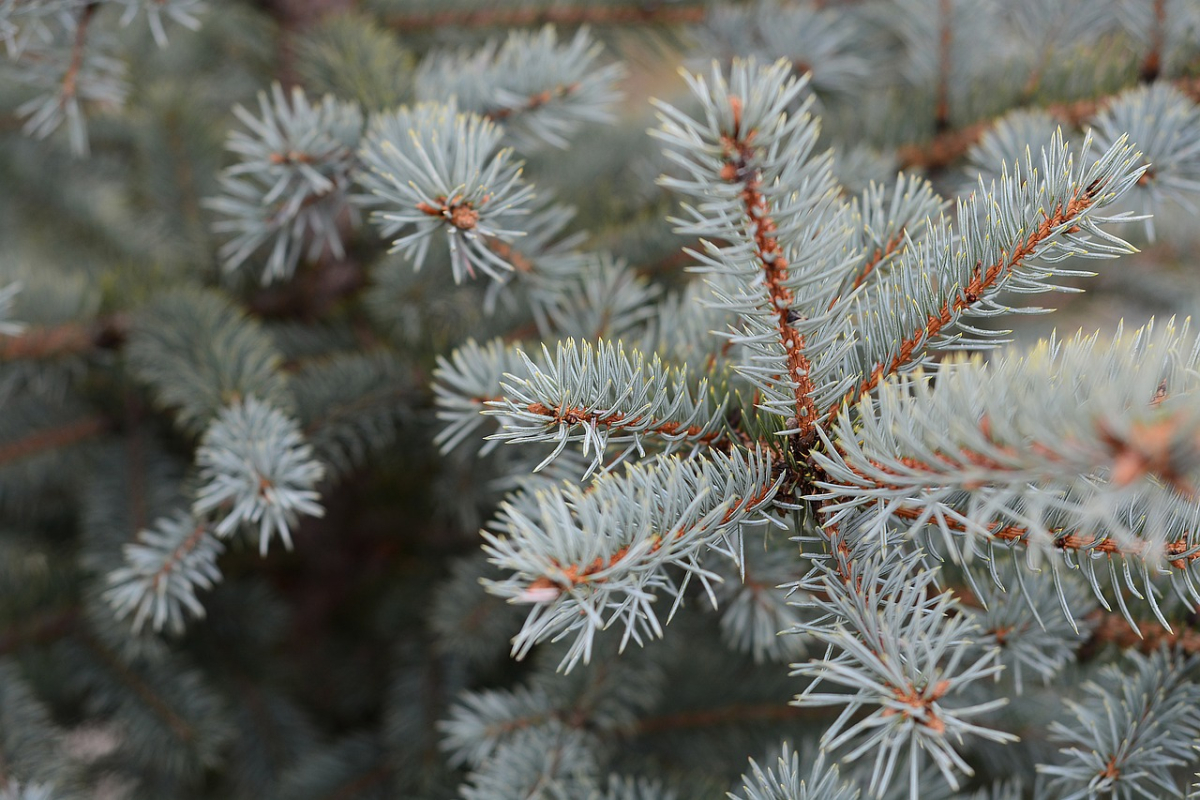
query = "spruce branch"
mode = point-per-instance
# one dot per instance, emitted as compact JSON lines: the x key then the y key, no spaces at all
{"x":177,"y":722}
{"x":198,"y":353}
{"x":948,"y":147}
{"x":466,"y":382}
{"x":1130,"y":731}
{"x":604,"y":396}
{"x":901,"y":648}
{"x":1026,"y":463}
{"x":1009,"y":238}
{"x":434,"y":170}
{"x":542,"y":91}
{"x":182,"y":12}
{"x":162,"y":572}
{"x":291,"y":184}
{"x":743,"y":159}
{"x":886,"y":223}
{"x":257,"y":471}
{"x":822,"y":41}
{"x":1164,"y":122}
{"x":588,"y":558}
{"x":71,"y":70}
{"x":788,"y":782}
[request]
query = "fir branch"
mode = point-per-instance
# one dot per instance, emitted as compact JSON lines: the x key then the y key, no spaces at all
{"x":876,"y":258}
{"x":1012,"y":234}
{"x":603,"y":396}
{"x":170,"y":717}
{"x":650,"y":518}
{"x":1178,"y":553}
{"x":983,"y":280}
{"x":434,"y":170}
{"x":1130,"y":732}
{"x":162,"y":571}
{"x":542,"y":90}
{"x":750,"y":162}
{"x":533,"y":102}
{"x":739,"y":168}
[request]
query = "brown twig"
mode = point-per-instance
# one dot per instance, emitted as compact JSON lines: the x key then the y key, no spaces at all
{"x":71,"y":338}
{"x":533,"y":102}
{"x":1152,"y":63}
{"x":738,"y":168}
{"x":572,"y":575}
{"x":948,"y":146}
{"x":70,"y":81}
{"x":51,"y":438}
{"x":615,"y":419}
{"x":1114,"y":629}
{"x":498,"y":16}
{"x":941,"y":113}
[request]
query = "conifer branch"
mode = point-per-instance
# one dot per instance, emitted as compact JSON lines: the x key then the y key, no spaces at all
{"x":983,"y":279}
{"x":602,"y":396}
{"x":738,"y":169}
{"x":174,"y":722}
{"x":878,"y":257}
{"x":1179,"y":552}
{"x":532,"y":102}
{"x":1021,"y":221}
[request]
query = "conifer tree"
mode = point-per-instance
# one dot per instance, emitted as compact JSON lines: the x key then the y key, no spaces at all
{"x":401,"y":403}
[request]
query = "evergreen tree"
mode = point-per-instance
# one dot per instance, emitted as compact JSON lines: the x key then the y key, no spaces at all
{"x":387,"y":415}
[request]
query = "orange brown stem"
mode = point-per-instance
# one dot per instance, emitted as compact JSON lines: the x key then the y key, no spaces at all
{"x":576,"y":574}
{"x":1074,"y":541}
{"x":948,"y":146}
{"x":1147,"y":637}
{"x":71,"y":338}
{"x":52,"y":438}
{"x":500,"y":17}
{"x":738,"y":168}
{"x":533,"y":102}
{"x":615,"y":419}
